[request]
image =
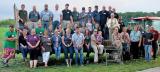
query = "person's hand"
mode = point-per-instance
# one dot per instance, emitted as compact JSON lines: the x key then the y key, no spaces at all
{"x":43,"y":49}
{"x":139,"y":45}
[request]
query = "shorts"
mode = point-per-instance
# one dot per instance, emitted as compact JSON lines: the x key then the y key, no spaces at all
{"x":33,"y":54}
{"x":9,"y":53}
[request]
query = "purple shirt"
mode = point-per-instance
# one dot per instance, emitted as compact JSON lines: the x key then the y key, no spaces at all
{"x":33,"y":39}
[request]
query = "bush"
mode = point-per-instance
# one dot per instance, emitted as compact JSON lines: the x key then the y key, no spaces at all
{"x":7,"y":22}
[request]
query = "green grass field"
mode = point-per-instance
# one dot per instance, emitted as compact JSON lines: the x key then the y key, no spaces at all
{"x":16,"y":65}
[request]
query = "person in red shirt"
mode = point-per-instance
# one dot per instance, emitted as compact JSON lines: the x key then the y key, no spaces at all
{"x":154,"y":42}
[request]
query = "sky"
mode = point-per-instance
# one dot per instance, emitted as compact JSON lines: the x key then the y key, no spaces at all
{"x":6,"y":6}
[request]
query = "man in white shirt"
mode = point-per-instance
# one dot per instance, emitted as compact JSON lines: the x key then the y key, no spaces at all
{"x":57,"y":17}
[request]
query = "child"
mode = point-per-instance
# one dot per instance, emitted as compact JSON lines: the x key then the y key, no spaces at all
{"x":100,"y":40}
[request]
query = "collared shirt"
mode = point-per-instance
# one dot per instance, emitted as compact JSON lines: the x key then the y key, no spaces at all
{"x":75,"y":15}
{"x":89,"y":16}
{"x":135,"y":36}
{"x":23,"y":15}
{"x":103,"y":16}
{"x":33,"y":39}
{"x":34,"y":16}
{"x":57,"y":15}
{"x":77,"y":38}
{"x":83,"y":17}
{"x":96,"y":16}
{"x":66,"y":14}
{"x":46,"y":15}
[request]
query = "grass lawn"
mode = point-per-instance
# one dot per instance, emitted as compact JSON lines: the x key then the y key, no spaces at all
{"x":129,"y":66}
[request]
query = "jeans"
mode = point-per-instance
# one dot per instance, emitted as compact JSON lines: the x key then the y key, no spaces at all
{"x":55,"y":24}
{"x":57,"y":52}
{"x":21,"y":26}
{"x":68,"y":50}
{"x":24,"y":52}
{"x":45,"y":24}
{"x":148,"y":49}
{"x":77,"y":51}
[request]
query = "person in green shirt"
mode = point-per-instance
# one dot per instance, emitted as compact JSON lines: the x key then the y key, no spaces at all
{"x":40,"y":29}
{"x":75,"y":16}
{"x":9,"y":46}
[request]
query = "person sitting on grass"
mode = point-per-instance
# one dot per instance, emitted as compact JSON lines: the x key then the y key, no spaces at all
{"x":9,"y":46}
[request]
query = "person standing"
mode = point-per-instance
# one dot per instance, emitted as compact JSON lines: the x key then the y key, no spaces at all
{"x":9,"y":46}
{"x":96,"y":16}
{"x":75,"y":15}
{"x":147,"y":42}
{"x":22,"y":17}
{"x":67,"y":17}
{"x":56,"y":41}
{"x":115,"y":14}
{"x":23,"y":44}
{"x":104,"y":16}
{"x":46,"y":47}
{"x":67,"y":46}
{"x":34,"y":17}
{"x":154,"y":42}
{"x":83,"y":17}
{"x":135,"y":37}
{"x":33,"y":42}
{"x":78,"y":41}
{"x":111,"y":24}
{"x":125,"y":43}
{"x":46,"y":17}
{"x":57,"y":17}
{"x":89,"y":14}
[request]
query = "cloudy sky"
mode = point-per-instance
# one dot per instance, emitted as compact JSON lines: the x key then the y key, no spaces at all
{"x":6,"y":6}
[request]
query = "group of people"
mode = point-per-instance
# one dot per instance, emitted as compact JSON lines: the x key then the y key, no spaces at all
{"x":73,"y":32}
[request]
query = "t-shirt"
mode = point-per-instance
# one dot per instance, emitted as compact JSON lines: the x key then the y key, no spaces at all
{"x":66,"y":14}
{"x":10,"y":44}
{"x":40,"y":31}
{"x":147,"y":36}
{"x":23,"y":15}
{"x":57,"y":15}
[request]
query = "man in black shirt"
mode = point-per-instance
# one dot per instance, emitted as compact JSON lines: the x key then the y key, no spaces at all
{"x":67,"y":17}
{"x":104,"y":15}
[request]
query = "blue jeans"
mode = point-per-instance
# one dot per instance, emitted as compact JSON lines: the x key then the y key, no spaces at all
{"x":24,"y":52}
{"x":57,"y":52}
{"x":55,"y":24}
{"x":148,"y":52}
{"x":77,"y":51}
{"x":68,"y":50}
{"x":45,"y":24}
